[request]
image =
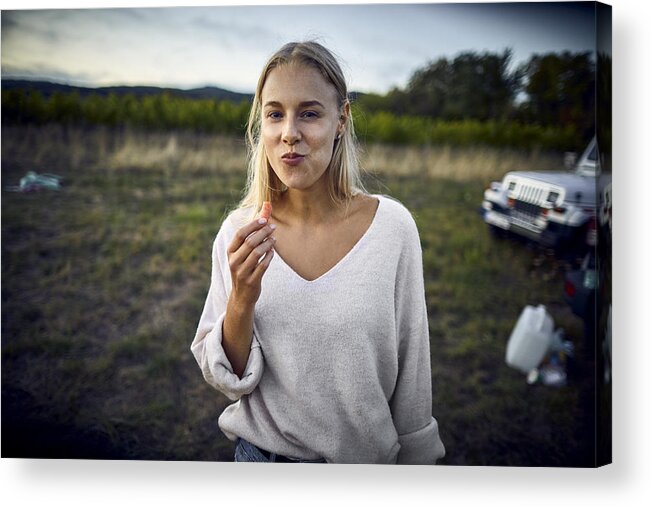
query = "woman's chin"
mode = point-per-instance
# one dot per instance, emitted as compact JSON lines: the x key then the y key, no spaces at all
{"x":300,"y":181}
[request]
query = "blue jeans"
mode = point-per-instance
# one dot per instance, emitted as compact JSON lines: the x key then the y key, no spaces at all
{"x":245,"y":451}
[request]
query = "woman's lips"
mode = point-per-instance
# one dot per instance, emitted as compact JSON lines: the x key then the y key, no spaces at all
{"x":292,"y":159}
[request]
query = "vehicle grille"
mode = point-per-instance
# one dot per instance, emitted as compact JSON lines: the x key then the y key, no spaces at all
{"x":524,"y":214}
{"x":527,"y":209}
{"x":531,"y":194}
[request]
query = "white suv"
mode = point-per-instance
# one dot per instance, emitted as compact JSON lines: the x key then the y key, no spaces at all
{"x":555,"y":209}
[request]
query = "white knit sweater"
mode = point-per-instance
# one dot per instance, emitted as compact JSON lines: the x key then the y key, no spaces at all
{"x":339,"y":366}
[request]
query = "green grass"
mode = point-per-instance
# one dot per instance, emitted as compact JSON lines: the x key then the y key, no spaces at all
{"x":104,"y":282}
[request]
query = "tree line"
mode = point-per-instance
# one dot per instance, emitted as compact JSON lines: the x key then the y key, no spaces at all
{"x":549,"y":102}
{"x":162,"y":111}
{"x":554,"y":90}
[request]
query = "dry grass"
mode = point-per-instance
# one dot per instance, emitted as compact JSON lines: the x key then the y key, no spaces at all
{"x":189,"y":152}
{"x":183,"y":151}
{"x":458,"y":164}
{"x":117,"y":149}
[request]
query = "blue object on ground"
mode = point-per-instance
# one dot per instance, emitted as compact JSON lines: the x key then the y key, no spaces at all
{"x":33,"y":182}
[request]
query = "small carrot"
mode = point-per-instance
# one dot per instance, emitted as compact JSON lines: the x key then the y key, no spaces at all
{"x":266,"y":210}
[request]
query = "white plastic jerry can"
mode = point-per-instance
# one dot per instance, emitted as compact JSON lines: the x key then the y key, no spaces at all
{"x":530,"y":339}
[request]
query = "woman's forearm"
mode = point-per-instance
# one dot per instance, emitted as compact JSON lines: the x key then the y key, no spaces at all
{"x":237,"y":334}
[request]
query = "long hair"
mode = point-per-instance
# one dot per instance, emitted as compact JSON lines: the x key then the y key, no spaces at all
{"x":343,"y":172}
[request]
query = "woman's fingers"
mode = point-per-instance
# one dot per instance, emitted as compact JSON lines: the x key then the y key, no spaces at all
{"x":249,"y":245}
{"x":262,"y":266}
{"x":245,"y":242}
{"x":243,"y":234}
{"x":257,"y":254}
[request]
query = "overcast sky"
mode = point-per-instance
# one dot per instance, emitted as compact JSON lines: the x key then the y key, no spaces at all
{"x":379,"y":45}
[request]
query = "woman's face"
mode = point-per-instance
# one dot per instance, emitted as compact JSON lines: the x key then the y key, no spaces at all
{"x":300,"y":121}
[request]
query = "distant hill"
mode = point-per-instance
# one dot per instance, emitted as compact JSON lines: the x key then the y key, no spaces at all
{"x":48,"y":88}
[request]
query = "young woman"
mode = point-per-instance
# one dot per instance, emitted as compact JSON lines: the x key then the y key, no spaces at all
{"x":315,"y":322}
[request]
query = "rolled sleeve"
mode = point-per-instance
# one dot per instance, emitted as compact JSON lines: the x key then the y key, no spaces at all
{"x":217,"y":369}
{"x":421,"y":447}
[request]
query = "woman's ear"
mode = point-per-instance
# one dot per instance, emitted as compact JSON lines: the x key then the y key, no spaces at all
{"x":343,"y":118}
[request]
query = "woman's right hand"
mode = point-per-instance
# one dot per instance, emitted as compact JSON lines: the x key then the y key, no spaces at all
{"x":249,"y":255}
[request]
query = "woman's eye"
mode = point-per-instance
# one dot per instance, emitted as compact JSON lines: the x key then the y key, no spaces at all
{"x":274,"y":115}
{"x":310,"y":114}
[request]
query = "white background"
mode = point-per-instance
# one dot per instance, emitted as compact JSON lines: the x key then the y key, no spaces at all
{"x":626,"y":482}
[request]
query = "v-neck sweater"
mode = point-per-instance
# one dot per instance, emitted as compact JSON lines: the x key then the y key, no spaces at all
{"x":339,"y":366}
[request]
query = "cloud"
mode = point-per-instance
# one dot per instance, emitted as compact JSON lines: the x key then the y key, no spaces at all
{"x":8,"y":22}
{"x":15,"y":24}
{"x":232,"y":32}
{"x":49,"y":73}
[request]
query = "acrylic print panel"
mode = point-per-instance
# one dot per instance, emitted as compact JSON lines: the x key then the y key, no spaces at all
{"x":123,"y":150}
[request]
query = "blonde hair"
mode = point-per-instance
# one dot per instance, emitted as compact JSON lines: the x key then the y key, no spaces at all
{"x":344,"y":180}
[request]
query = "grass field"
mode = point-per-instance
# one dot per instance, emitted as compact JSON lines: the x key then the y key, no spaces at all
{"x":103,"y":283}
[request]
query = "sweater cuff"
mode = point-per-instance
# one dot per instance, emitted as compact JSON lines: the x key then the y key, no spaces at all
{"x":421,"y":447}
{"x":221,"y":370}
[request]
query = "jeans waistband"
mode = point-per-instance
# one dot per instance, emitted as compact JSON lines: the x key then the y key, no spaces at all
{"x":276,"y":458}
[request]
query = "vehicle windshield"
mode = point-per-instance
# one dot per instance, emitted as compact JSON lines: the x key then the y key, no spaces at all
{"x":592,"y":156}
{"x":589,"y":161}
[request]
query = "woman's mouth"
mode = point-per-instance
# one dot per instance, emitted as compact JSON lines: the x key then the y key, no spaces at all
{"x":292,"y":158}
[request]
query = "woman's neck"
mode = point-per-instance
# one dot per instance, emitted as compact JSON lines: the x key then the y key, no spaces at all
{"x":307,"y":207}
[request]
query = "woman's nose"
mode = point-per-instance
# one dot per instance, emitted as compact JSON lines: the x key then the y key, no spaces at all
{"x":290,"y":134}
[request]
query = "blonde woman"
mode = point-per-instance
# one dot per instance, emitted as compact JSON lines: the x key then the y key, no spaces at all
{"x":315,"y":322}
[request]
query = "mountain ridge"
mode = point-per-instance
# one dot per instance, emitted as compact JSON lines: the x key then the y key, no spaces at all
{"x":48,"y":88}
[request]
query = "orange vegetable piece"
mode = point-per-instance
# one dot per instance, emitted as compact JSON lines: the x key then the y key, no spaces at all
{"x":266,"y":210}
